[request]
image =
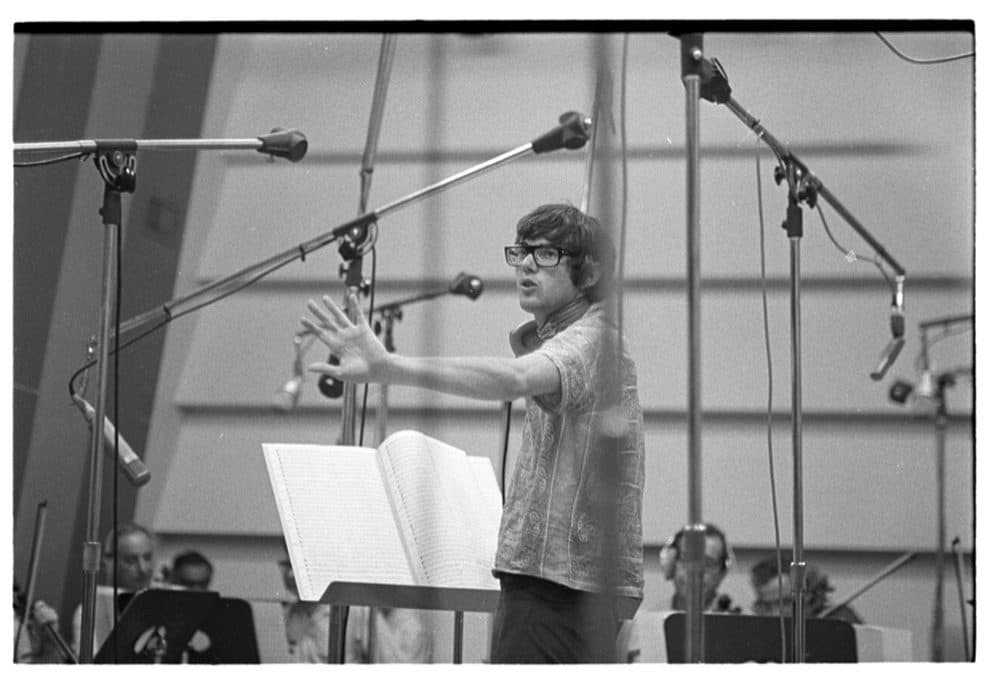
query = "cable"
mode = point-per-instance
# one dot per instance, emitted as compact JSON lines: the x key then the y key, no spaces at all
{"x":51,"y":161}
{"x":371,"y":311}
{"x":849,"y":254}
{"x":98,"y":424}
{"x":171,"y":315}
{"x":770,"y":401}
{"x":923,"y":62}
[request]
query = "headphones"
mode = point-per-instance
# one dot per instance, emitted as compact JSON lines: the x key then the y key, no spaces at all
{"x":670,"y":552}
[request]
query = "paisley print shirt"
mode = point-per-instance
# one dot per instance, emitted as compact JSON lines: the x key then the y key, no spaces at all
{"x":553,"y":517}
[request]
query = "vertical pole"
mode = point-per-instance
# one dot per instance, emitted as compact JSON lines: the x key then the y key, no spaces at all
{"x":693,"y":544}
{"x":111,"y":211}
{"x":937,"y":625}
{"x":456,"y":648}
{"x":797,"y":568}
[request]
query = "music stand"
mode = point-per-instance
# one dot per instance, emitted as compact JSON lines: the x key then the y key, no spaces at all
{"x":734,"y":638}
{"x":340,"y":595}
{"x":156,"y":625}
{"x":231,"y":635}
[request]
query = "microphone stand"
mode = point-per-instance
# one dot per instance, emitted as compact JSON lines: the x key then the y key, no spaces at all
{"x":571,"y":134}
{"x":942,"y":382}
{"x":389,"y":313}
{"x":692,"y":546}
{"x":960,"y":581}
{"x":115,"y":160}
{"x":352,"y":250}
{"x":802,"y":185}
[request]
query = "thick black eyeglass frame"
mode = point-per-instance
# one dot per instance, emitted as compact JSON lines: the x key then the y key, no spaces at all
{"x":515,"y":253}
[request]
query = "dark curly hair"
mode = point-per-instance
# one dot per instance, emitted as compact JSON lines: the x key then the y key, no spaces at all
{"x":566,"y":226}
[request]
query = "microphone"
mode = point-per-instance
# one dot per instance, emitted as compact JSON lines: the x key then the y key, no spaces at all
{"x":888,"y":356}
{"x":290,"y":144}
{"x":896,"y":326}
{"x":286,"y":397}
{"x":466,"y":285}
{"x":330,"y":386}
{"x":572,"y":133}
{"x":128,"y":462}
{"x":925,"y":386}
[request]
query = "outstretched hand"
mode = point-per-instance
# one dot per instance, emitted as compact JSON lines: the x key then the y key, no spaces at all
{"x":361,"y":354}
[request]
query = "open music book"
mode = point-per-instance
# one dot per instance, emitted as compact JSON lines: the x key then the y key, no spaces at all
{"x":415,"y":511}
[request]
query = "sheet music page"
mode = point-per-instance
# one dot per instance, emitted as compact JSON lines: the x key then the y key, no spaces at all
{"x":448,"y":524}
{"x":336,"y":518}
{"x":488,"y":490}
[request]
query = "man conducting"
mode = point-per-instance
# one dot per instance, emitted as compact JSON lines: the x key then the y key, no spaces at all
{"x":549,"y":560}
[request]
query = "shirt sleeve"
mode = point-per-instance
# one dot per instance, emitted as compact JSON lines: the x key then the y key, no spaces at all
{"x":574,"y":354}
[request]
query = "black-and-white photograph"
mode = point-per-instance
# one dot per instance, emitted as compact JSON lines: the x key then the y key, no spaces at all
{"x":493,"y":341}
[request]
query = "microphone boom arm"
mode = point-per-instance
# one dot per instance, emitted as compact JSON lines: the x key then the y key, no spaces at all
{"x":810,"y":179}
{"x":354,"y":228}
{"x":287,"y":143}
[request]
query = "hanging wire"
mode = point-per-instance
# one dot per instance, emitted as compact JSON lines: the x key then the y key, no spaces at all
{"x":53,"y":160}
{"x":850,"y":255}
{"x":98,"y":425}
{"x":371,"y":311}
{"x":228,"y":289}
{"x":770,"y":399}
{"x":923,"y":62}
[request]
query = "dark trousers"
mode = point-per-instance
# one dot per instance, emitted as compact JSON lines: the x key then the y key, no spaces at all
{"x":542,"y":622}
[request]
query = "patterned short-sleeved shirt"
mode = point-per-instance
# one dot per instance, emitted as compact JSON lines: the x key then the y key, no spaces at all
{"x":552,"y":518}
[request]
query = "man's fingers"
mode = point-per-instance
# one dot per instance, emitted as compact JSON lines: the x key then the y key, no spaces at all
{"x":355,"y":305}
{"x":326,"y":368}
{"x":319,"y":332}
{"x":321,"y":315}
{"x":339,"y":318}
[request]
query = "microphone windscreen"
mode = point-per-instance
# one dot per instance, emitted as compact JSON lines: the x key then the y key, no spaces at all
{"x":287,"y":396}
{"x":467,"y":285}
{"x":572,"y":133}
{"x":290,"y":144}
{"x":330,"y":386}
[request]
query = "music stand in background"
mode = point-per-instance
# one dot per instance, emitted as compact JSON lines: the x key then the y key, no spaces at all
{"x":230,"y":634}
{"x":170,"y":625}
{"x":156,"y":625}
{"x":734,"y":638}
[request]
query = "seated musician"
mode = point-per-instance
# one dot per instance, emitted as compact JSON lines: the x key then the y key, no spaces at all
{"x":768,"y":602}
{"x":134,"y":572}
{"x":33,"y":644}
{"x":401,"y":635}
{"x":718,"y":562}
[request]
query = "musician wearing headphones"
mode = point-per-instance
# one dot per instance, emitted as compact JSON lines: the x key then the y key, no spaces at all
{"x":549,"y":561}
{"x":718,"y":562}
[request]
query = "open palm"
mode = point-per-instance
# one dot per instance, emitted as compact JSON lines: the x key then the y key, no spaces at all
{"x":355,"y":345}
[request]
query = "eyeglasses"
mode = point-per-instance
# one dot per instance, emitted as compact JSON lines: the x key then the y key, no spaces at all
{"x":545,"y":255}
